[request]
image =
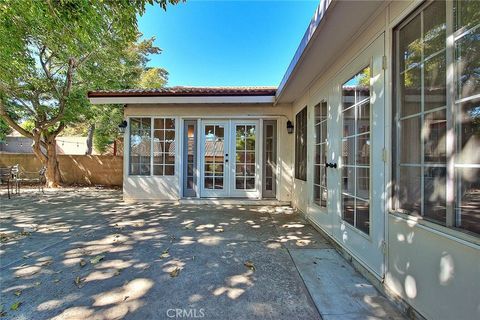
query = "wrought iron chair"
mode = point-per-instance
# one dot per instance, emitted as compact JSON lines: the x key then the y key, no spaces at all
{"x":32,"y":177}
{"x":6,"y":178}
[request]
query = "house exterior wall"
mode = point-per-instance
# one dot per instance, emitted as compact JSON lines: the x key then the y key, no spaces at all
{"x":169,"y":188}
{"x":433,"y":268}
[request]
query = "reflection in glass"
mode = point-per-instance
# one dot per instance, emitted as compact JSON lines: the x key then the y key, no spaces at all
{"x":245,"y":138}
{"x":434,"y":136}
{"x":140,"y":146}
{"x":214,"y":156}
{"x":356,"y":149}
{"x":434,"y":193}
{"x":468,"y":195}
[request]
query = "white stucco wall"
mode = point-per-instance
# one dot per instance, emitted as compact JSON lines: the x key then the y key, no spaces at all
{"x":160,"y":188}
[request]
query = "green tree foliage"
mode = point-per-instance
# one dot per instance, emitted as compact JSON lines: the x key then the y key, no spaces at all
{"x":53,"y":51}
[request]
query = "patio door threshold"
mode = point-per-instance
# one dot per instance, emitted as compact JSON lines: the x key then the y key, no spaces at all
{"x":235,"y":201}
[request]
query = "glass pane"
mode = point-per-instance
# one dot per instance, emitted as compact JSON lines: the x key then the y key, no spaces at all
{"x":170,"y":135}
{"x":348,"y":151}
{"x":250,"y":183}
{"x":323,"y":196}
{"x":411,"y":92}
{"x":409,"y":192}
{"x":268,"y":184}
{"x":159,"y":135}
{"x":324,"y":110}
{"x":158,"y":123}
{"x":208,"y":183}
{"x":348,"y":204}
{"x":468,"y":133}
{"x":158,"y":170}
{"x":362,"y":211}
{"x":434,"y":194}
{"x":190,"y":184}
{"x":323,"y":176}
{"x":468,"y":207}
{"x":363,"y":180}
{"x":467,"y":13}
{"x":467,"y":56}
{"x":349,"y":122}
{"x":269,"y":130}
{"x":323,"y":127}
{"x":250,"y":144}
{"x":434,"y":27}
{"x":250,"y":170}
{"x":240,"y":183}
{"x":169,"y":123}
{"x":316,"y":195}
{"x":434,"y":136}
{"x":363,"y":149}
{"x":409,"y":44}
{"x":158,"y":158}
{"x":240,"y":170}
{"x":169,"y":170}
{"x":218,"y":183}
{"x":410,"y":145}
{"x":363,"y":123}
{"x":435,"y":82}
{"x":348,"y":180}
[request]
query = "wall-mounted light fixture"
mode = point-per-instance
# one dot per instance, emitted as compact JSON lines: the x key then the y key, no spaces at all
{"x":289,"y":127}
{"x":122,"y":126}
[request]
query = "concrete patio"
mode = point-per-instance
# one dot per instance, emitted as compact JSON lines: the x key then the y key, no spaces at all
{"x":85,"y":254}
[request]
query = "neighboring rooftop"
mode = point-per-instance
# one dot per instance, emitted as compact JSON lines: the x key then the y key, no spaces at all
{"x":181,"y":91}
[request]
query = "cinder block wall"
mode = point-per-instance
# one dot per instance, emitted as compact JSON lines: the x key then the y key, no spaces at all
{"x":75,"y":169}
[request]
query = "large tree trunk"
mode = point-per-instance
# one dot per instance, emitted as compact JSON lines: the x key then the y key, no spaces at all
{"x":48,"y":159}
{"x":53,"y":172}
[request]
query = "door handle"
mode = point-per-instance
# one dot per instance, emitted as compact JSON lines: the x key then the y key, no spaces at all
{"x":331,"y":165}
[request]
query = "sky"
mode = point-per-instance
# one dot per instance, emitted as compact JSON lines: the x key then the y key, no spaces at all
{"x":227,"y":43}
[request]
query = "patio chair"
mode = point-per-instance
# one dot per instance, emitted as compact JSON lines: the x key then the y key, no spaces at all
{"x":6,"y":178}
{"x":32,"y":177}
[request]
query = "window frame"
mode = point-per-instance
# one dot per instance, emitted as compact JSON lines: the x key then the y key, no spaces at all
{"x":152,"y":132}
{"x":321,"y":142}
{"x":450,"y":226}
{"x":301,"y":124}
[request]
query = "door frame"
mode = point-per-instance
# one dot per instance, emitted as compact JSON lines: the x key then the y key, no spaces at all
{"x":368,"y":250}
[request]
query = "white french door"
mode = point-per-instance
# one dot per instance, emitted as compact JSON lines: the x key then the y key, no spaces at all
{"x":359,"y":143}
{"x":214,"y":154}
{"x":229,"y":158}
{"x":347,"y":198}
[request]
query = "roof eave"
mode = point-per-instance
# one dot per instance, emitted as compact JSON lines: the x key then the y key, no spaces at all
{"x":212,"y":99}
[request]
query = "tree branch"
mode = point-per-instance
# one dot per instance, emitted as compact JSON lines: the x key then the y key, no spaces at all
{"x":47,"y":72}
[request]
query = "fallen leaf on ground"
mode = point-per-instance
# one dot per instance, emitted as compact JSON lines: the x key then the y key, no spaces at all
{"x":219,"y":230}
{"x":82,"y":263}
{"x":18,"y":293}
{"x":249,"y":264}
{"x":15,"y":306}
{"x":174,"y":272}
{"x":97,"y":259}
{"x":165,"y":254}
{"x":126,"y":297}
{"x":189,"y":226}
{"x":56,"y":280}
{"x":37,"y":283}
{"x":78,"y":282}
